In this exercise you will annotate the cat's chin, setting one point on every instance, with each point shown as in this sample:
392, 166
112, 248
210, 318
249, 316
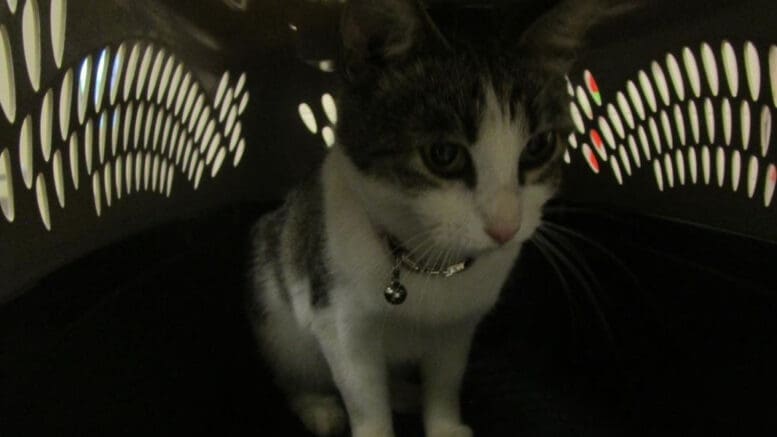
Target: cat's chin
475, 253
485, 249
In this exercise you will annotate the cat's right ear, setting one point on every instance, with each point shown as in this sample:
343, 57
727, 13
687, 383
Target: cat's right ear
377, 33
553, 41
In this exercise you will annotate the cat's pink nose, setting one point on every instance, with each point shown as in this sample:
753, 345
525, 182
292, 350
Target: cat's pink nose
502, 233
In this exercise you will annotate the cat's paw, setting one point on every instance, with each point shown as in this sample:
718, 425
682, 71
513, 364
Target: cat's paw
372, 430
321, 415
449, 430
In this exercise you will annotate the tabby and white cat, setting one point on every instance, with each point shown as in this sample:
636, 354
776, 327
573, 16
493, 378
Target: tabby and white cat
445, 157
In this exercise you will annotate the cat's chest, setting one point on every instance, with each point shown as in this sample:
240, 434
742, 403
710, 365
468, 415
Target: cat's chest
468, 294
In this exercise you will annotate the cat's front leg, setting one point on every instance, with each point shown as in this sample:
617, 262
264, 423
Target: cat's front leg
353, 348
442, 369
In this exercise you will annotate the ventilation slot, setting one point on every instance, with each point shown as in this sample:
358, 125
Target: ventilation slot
736, 169
693, 166
306, 114
25, 152
692, 70
675, 75
659, 174
59, 178
730, 67
100, 78
585, 104
46, 124
590, 158
58, 22
710, 68
65, 104
7, 79
592, 87
771, 179
680, 166
43, 201
32, 42
328, 135
84, 82
752, 176
73, 157
752, 70
6, 187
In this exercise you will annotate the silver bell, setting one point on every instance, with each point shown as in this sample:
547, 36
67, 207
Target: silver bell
395, 293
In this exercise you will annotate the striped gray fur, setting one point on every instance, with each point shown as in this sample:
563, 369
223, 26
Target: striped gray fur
290, 245
268, 234
308, 244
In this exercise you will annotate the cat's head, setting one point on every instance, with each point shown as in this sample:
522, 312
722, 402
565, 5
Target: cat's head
456, 149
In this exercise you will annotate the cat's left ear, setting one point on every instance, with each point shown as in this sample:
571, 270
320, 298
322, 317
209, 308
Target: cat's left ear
377, 33
553, 41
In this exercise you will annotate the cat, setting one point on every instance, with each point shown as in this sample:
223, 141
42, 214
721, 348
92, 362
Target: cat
388, 257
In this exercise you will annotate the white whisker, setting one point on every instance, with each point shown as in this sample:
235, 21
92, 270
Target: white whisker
594, 300
561, 277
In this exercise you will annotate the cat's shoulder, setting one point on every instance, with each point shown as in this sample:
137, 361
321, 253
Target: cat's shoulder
301, 210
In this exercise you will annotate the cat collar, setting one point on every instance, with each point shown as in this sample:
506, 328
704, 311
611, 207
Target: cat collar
396, 293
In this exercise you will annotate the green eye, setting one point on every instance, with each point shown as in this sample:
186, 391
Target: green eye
446, 159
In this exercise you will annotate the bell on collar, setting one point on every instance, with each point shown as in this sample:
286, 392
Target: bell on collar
395, 293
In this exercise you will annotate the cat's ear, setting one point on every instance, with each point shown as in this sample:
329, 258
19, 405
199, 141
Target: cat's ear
553, 41
376, 33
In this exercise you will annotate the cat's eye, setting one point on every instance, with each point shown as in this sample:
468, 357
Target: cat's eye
539, 148
446, 159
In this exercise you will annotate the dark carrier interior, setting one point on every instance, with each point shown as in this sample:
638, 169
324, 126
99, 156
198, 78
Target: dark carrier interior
122, 275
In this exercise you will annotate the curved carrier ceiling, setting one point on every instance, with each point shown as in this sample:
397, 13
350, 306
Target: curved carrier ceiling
117, 116
126, 118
